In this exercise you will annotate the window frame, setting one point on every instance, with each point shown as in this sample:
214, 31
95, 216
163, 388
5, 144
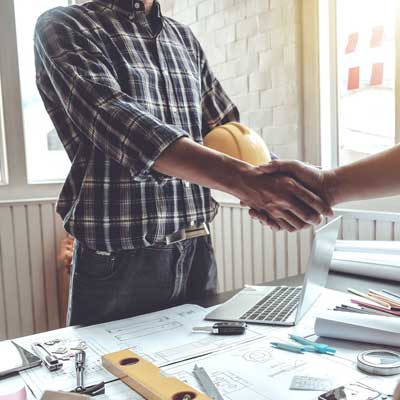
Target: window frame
321, 148
3, 156
12, 140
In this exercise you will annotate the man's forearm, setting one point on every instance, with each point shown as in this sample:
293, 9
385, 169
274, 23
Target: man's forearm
279, 196
371, 177
192, 162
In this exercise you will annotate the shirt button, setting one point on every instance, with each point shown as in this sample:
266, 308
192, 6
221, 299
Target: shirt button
138, 5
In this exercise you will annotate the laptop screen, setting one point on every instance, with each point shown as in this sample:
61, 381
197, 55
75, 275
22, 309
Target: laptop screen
318, 265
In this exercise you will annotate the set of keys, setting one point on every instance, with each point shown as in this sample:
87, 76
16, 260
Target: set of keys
223, 328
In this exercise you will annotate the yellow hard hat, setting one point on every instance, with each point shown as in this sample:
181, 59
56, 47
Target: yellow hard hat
239, 141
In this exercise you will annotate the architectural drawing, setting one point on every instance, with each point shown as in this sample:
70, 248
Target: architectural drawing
255, 370
163, 337
133, 331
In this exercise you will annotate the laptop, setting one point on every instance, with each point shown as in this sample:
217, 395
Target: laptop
284, 305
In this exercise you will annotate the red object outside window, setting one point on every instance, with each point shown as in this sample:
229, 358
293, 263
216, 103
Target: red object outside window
377, 36
352, 43
353, 81
377, 74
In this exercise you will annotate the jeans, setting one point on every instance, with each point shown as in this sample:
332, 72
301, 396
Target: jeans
111, 286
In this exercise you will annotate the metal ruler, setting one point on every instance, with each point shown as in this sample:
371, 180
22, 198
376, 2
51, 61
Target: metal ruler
206, 383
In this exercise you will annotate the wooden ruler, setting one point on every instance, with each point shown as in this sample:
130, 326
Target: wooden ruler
147, 379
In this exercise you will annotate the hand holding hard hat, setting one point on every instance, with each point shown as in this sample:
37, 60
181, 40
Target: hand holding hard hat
239, 141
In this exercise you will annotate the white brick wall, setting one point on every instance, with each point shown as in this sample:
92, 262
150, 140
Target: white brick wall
254, 49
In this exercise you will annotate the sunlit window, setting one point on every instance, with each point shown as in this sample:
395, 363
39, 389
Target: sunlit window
366, 77
45, 157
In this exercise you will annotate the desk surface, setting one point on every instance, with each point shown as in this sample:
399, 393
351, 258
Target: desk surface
107, 340
336, 281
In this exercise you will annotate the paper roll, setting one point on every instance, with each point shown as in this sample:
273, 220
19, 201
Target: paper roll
366, 269
359, 327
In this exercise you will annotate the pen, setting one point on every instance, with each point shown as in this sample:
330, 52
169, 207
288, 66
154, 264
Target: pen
368, 297
312, 346
288, 347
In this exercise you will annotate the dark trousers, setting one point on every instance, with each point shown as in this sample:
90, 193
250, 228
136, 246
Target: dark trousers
111, 286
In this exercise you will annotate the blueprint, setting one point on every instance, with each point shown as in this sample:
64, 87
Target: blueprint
257, 371
162, 337
244, 366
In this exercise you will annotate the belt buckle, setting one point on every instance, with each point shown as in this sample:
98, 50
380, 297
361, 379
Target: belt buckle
190, 233
176, 237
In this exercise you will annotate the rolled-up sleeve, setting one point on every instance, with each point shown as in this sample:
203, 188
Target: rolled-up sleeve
86, 85
217, 107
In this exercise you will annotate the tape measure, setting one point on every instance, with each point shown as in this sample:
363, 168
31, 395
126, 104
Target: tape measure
379, 362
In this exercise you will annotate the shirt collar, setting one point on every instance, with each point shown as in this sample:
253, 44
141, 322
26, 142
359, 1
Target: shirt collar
131, 8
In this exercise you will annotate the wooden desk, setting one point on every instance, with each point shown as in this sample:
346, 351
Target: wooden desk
337, 281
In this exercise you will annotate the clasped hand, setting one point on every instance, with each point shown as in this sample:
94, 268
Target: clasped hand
288, 195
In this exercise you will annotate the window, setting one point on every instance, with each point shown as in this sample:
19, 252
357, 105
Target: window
357, 78
36, 165
366, 78
351, 97
46, 160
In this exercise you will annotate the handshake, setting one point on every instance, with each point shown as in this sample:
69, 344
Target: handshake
288, 195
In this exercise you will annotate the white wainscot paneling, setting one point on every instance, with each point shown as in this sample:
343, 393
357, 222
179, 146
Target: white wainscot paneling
29, 281
32, 284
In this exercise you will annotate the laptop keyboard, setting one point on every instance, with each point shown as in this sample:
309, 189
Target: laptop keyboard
276, 306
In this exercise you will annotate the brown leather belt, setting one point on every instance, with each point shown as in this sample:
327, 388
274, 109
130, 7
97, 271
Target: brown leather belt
188, 233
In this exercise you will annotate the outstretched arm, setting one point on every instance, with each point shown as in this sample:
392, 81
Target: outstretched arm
278, 195
372, 177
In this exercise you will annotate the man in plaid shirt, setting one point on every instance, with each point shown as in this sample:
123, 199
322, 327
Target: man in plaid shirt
132, 96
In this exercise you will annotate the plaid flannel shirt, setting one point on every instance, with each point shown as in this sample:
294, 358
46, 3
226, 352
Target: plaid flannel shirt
120, 87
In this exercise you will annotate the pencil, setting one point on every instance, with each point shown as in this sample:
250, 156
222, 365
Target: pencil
368, 297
